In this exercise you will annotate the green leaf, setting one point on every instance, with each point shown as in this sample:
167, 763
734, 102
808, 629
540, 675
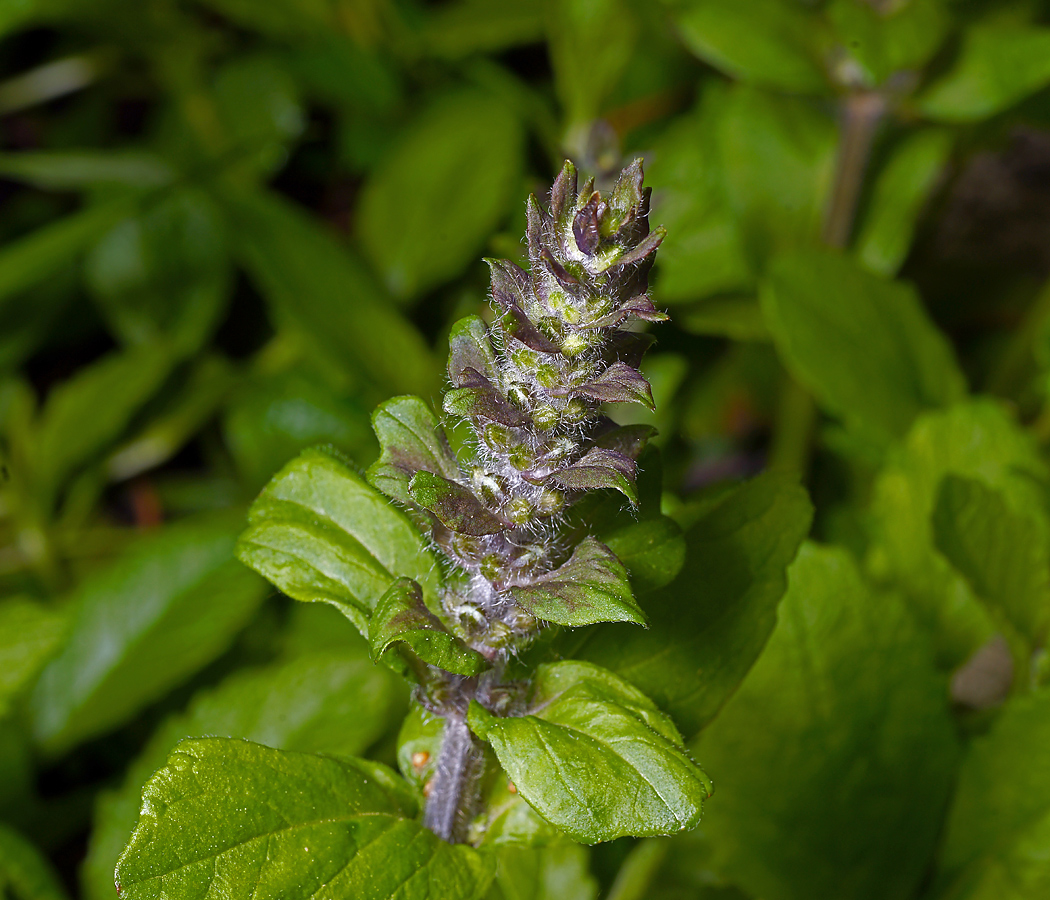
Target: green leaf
328, 701
61, 170
1002, 554
412, 441
590, 43
247, 821
30, 633
557, 872
163, 274
455, 505
24, 872
40, 254
440, 191
320, 533
510, 821
770, 43
257, 101
976, 440
469, 347
317, 286
84, 415
999, 65
882, 41
900, 193
703, 253
652, 551
591, 587
401, 616
836, 756
863, 345
999, 824
778, 155
201, 392
272, 419
458, 30
140, 627
708, 626
595, 757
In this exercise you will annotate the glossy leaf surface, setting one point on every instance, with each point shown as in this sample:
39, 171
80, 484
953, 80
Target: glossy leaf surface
401, 616
720, 609
1002, 554
328, 699
321, 533
592, 586
862, 344
141, 627
251, 821
596, 757
833, 766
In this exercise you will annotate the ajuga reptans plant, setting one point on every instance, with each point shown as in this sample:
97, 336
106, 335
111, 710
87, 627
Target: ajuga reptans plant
463, 571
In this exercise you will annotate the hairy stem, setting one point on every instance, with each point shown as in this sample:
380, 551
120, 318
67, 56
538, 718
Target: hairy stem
451, 788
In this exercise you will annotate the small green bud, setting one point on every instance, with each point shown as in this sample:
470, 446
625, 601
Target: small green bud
575, 410
550, 503
519, 511
547, 375
520, 457
498, 437
491, 567
545, 417
484, 485
573, 345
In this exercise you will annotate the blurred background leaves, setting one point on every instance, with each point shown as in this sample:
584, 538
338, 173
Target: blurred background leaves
230, 228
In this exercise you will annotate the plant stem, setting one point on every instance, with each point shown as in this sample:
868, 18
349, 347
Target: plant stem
861, 114
796, 412
451, 787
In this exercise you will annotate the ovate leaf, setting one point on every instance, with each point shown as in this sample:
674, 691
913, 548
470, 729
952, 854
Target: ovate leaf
977, 440
142, 626
591, 587
411, 440
319, 532
653, 551
163, 273
899, 195
708, 626
862, 344
469, 348
84, 415
1002, 554
998, 66
596, 757
442, 189
590, 43
455, 505
332, 700
599, 469
401, 616
30, 633
249, 821
765, 42
999, 824
836, 756
24, 872
704, 250
319, 287
778, 158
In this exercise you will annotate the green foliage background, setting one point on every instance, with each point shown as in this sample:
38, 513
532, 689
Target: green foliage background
228, 229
